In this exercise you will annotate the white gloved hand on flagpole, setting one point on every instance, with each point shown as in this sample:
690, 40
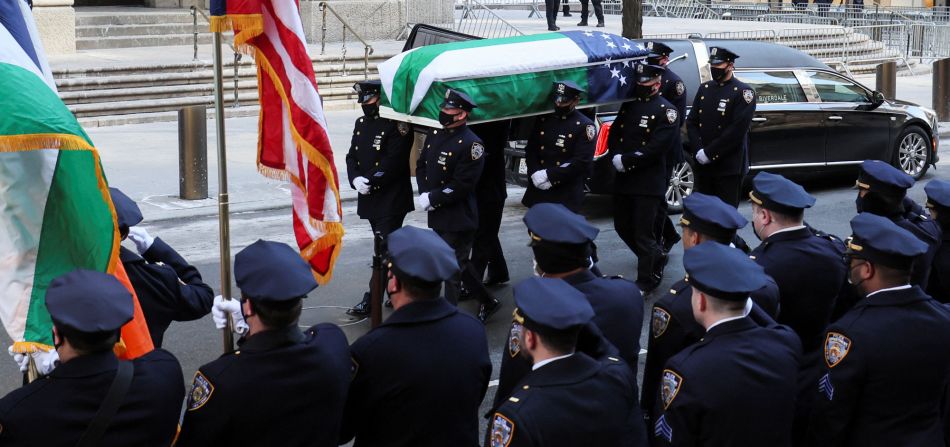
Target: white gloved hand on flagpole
220, 311
142, 240
45, 361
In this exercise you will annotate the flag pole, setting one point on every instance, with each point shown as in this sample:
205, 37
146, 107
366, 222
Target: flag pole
224, 227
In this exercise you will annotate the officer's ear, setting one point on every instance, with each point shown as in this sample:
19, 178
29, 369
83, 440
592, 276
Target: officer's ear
393, 285
529, 339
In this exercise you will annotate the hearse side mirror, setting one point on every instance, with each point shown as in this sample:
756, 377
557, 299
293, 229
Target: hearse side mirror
877, 98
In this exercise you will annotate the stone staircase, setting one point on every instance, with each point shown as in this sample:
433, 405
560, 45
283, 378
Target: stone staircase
127, 27
117, 95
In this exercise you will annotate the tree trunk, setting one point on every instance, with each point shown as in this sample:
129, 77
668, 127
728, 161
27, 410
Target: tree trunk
632, 19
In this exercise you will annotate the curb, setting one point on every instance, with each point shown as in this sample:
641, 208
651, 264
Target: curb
235, 208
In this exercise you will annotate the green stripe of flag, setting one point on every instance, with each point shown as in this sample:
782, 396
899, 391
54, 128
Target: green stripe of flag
33, 108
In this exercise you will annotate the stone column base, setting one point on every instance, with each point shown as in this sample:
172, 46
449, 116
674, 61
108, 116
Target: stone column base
57, 27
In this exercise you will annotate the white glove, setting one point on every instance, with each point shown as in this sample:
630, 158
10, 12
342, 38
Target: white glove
618, 163
702, 158
362, 185
423, 202
45, 361
142, 240
540, 180
220, 311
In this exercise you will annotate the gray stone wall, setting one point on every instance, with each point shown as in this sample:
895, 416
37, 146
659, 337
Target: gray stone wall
56, 23
372, 19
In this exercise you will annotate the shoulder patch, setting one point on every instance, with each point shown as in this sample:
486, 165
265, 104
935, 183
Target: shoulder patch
748, 95
477, 150
403, 128
672, 382
502, 431
671, 115
680, 88
201, 390
591, 132
661, 320
836, 348
514, 339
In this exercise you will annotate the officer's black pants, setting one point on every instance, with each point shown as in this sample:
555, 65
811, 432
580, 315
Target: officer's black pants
663, 229
598, 10
634, 217
551, 7
384, 226
461, 242
725, 187
487, 252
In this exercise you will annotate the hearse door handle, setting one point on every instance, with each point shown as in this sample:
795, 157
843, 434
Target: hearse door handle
835, 118
760, 119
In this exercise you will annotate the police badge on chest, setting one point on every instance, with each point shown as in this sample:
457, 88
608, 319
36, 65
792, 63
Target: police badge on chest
644, 121
377, 142
722, 105
560, 141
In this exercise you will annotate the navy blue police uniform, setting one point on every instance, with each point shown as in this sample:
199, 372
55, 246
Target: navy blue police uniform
167, 286
718, 124
885, 361
674, 90
283, 386
397, 397
617, 303
643, 134
379, 153
736, 386
886, 196
672, 325
57, 409
447, 171
572, 399
561, 145
938, 202
788, 256
490, 194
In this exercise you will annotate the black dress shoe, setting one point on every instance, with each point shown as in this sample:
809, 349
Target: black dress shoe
360, 310
647, 285
600, 24
669, 243
554, 28
486, 310
582, 23
496, 281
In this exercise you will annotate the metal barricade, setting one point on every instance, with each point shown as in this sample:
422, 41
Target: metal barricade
367, 48
475, 18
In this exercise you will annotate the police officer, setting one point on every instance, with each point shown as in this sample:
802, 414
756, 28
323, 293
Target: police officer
421, 375
488, 258
598, 12
550, 13
938, 203
673, 326
886, 363
447, 171
560, 151
718, 128
378, 168
283, 386
568, 398
759, 363
639, 142
91, 397
674, 90
561, 243
168, 287
882, 190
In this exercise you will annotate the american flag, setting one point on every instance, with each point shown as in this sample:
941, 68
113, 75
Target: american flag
293, 144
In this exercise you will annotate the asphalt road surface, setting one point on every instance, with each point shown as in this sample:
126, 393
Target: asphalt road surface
198, 342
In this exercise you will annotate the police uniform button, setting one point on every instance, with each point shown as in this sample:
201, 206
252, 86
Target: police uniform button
450, 154
621, 139
525, 387
542, 146
378, 148
702, 98
563, 150
382, 133
361, 120
700, 124
542, 161
435, 132
621, 126
377, 163
460, 141
357, 132
735, 88
542, 132
570, 135
578, 123
444, 168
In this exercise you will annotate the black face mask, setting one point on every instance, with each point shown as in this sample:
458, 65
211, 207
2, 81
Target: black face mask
643, 91
445, 119
874, 204
718, 74
563, 111
370, 110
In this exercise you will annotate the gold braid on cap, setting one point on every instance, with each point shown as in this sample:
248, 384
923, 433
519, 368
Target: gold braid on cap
516, 316
754, 199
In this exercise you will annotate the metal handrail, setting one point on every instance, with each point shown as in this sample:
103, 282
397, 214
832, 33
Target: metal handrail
367, 48
195, 10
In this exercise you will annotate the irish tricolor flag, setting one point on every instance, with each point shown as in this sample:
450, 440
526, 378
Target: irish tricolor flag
55, 211
508, 77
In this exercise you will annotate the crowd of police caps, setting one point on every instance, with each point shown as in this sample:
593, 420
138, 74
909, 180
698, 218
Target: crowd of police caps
806, 340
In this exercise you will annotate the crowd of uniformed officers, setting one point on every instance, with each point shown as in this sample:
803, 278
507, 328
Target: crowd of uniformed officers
806, 340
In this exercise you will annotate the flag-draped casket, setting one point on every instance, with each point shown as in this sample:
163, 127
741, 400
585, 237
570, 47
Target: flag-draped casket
508, 77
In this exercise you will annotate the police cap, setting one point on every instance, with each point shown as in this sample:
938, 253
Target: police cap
659, 49
938, 194
722, 271
457, 99
421, 254
553, 222
89, 301
779, 194
718, 55
127, 212
711, 216
272, 271
878, 176
879, 240
566, 90
366, 90
550, 305
646, 72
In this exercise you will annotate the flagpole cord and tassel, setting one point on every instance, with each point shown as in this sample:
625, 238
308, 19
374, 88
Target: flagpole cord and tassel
224, 226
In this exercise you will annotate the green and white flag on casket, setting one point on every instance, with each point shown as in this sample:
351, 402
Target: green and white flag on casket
508, 77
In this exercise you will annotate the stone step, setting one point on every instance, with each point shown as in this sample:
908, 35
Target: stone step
102, 43
158, 29
146, 16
